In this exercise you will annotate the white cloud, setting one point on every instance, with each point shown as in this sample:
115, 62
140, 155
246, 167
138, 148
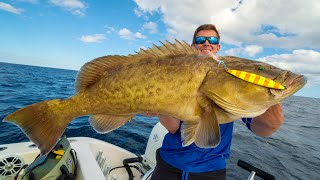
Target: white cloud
76, 7
306, 62
138, 12
251, 26
141, 14
233, 52
291, 24
151, 26
96, 38
148, 6
250, 50
110, 29
127, 34
9, 8
139, 35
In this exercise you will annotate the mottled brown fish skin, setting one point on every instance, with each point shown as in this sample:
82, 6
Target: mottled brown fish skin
165, 86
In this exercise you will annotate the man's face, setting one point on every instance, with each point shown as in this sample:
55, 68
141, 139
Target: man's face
206, 47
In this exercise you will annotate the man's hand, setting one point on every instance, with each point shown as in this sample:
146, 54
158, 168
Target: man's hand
170, 123
268, 122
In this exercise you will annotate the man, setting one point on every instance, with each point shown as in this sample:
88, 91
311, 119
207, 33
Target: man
177, 162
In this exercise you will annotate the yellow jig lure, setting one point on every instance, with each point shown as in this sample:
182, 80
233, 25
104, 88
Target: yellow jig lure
253, 78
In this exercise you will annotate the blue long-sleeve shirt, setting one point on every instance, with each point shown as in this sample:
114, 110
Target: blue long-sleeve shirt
194, 159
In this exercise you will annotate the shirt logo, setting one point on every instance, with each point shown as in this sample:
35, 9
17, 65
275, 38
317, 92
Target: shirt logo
155, 137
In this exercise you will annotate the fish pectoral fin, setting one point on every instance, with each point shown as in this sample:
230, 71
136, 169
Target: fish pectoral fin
207, 134
188, 131
208, 131
106, 123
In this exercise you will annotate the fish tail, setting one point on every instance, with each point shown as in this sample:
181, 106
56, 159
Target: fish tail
43, 122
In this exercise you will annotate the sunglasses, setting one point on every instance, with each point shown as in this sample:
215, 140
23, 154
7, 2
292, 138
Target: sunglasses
202, 39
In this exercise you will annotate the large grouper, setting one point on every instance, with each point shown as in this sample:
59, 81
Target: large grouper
171, 79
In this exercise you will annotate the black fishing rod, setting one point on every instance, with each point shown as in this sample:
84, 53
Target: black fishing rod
254, 171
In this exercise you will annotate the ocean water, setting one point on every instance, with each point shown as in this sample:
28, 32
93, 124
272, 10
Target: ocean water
293, 152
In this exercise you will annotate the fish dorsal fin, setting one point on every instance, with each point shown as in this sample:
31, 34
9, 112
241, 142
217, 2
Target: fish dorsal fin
167, 49
92, 71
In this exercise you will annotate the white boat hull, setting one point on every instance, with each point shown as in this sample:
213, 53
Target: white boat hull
87, 150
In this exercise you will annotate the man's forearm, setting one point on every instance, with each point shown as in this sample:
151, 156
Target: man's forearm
170, 123
268, 122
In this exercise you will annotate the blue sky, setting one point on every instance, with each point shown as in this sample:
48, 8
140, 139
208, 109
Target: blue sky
68, 33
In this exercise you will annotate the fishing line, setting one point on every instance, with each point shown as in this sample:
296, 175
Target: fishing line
316, 100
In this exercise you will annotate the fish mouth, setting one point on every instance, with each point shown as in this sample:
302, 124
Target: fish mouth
291, 87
